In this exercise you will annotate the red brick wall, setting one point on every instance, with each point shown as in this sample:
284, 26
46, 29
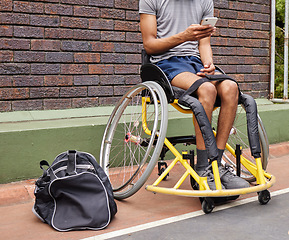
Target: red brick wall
242, 43
59, 54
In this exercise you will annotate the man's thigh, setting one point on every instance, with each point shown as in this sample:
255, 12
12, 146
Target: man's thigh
184, 80
181, 70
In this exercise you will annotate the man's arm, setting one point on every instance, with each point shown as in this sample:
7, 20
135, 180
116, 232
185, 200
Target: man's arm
153, 45
206, 56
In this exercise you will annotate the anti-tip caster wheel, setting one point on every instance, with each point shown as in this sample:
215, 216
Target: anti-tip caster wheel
208, 205
264, 197
162, 166
161, 171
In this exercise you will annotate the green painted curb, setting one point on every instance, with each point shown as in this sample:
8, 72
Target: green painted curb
28, 137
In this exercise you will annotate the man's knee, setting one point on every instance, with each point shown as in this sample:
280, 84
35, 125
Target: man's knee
229, 91
207, 93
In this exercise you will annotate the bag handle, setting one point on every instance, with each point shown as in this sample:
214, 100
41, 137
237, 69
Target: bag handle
71, 162
45, 177
44, 163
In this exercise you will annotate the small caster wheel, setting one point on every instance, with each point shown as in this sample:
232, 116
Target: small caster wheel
162, 166
208, 205
264, 197
161, 171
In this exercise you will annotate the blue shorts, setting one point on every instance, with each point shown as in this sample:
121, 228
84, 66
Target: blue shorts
176, 65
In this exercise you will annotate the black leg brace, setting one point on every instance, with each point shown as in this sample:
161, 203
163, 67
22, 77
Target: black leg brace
252, 124
203, 122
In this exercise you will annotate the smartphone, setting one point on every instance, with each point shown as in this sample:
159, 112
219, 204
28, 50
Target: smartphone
209, 21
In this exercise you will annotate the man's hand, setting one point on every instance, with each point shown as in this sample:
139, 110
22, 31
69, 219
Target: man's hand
209, 69
196, 32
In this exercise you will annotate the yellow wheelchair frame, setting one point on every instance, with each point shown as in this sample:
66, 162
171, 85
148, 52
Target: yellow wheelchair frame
128, 173
263, 179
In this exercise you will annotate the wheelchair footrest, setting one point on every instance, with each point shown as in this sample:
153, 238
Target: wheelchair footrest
212, 193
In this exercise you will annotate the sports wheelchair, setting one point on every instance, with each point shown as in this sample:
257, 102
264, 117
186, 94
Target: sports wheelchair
135, 138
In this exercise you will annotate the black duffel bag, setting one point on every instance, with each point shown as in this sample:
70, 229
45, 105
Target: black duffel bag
74, 193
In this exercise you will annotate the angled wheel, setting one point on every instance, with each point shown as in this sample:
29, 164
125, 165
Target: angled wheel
208, 205
134, 137
238, 135
264, 197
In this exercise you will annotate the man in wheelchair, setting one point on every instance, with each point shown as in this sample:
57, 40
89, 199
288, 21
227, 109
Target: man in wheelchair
180, 46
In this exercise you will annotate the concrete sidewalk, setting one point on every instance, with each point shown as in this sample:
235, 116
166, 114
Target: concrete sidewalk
18, 222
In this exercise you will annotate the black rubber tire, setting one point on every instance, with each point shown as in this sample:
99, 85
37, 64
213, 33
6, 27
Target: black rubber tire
264, 197
208, 205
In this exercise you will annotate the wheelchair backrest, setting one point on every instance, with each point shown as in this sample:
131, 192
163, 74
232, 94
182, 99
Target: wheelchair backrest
151, 72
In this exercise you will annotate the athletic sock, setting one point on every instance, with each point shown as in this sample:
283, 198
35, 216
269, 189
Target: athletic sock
202, 160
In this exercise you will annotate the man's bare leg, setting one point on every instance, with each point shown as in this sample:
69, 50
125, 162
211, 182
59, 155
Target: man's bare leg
184, 80
229, 93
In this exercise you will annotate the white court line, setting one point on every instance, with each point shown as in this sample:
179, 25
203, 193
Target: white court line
178, 218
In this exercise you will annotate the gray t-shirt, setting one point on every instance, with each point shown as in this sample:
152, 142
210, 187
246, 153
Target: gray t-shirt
174, 16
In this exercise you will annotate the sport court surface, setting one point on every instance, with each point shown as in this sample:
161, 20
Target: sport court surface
244, 219
156, 216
